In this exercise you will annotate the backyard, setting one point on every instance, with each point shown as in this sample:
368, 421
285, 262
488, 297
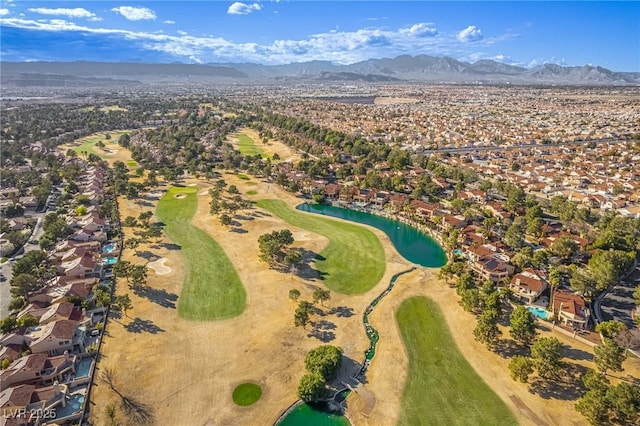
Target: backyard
354, 260
212, 288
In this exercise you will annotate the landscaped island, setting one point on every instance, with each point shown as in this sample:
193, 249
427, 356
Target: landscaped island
354, 260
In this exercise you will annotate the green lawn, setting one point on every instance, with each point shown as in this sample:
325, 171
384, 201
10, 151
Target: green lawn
442, 388
247, 146
354, 260
212, 288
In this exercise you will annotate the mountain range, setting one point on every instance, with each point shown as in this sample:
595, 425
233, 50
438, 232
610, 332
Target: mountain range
421, 68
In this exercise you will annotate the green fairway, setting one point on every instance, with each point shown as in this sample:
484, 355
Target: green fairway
89, 145
247, 146
354, 260
212, 288
442, 388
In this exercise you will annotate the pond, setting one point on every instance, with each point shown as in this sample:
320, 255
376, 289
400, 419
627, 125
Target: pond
413, 244
305, 415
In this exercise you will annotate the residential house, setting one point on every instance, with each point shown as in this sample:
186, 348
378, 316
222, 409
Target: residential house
37, 368
528, 285
570, 309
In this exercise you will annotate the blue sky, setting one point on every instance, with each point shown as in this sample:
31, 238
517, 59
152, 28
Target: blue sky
274, 32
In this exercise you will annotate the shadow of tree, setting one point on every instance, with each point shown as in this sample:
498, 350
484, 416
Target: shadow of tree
322, 330
349, 372
238, 230
139, 325
172, 246
244, 217
136, 410
508, 348
568, 387
159, 296
147, 255
341, 311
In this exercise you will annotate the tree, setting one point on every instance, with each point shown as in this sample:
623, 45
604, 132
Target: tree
582, 282
27, 320
520, 367
5, 363
124, 302
321, 295
564, 247
301, 316
607, 267
312, 388
294, 294
324, 360
132, 243
523, 326
233, 189
470, 300
603, 404
486, 330
611, 329
609, 356
514, 237
144, 218
23, 284
138, 275
272, 245
293, 257
130, 221
122, 269
225, 219
547, 357
540, 259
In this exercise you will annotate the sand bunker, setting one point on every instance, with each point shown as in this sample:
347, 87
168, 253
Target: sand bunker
192, 184
180, 195
203, 192
159, 267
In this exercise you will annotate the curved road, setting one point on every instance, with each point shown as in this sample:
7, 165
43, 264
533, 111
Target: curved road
618, 303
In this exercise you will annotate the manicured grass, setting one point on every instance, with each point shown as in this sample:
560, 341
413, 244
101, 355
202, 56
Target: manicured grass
132, 163
212, 288
246, 394
89, 143
247, 146
354, 260
243, 176
442, 388
252, 192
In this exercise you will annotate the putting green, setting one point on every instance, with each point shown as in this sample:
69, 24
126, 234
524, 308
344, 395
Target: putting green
354, 260
246, 394
442, 388
88, 144
212, 288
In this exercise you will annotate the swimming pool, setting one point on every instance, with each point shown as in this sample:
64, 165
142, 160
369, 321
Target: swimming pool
74, 404
109, 248
110, 260
539, 312
84, 368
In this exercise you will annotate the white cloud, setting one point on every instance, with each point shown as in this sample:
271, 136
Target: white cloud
135, 13
421, 30
170, 22
338, 46
239, 8
471, 33
4, 12
78, 12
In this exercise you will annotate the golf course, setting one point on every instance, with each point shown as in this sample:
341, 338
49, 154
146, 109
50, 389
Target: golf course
247, 145
354, 260
212, 288
442, 388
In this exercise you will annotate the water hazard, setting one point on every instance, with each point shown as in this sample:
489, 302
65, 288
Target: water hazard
413, 244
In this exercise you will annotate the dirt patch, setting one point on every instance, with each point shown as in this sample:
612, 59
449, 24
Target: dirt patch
159, 266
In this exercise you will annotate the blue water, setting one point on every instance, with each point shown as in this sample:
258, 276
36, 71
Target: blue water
539, 312
109, 248
74, 404
84, 368
110, 260
458, 252
414, 245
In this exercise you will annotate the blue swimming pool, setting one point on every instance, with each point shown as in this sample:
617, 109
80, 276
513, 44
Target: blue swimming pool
74, 404
109, 248
84, 368
110, 260
539, 312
